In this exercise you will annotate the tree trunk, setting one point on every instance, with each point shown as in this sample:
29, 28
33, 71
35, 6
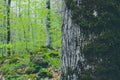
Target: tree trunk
8, 25
48, 34
72, 43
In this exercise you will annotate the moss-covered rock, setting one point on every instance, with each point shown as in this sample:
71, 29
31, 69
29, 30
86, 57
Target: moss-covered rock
39, 61
45, 74
54, 54
31, 70
14, 60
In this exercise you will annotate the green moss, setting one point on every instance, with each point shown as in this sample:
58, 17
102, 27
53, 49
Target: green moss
31, 70
45, 74
26, 65
54, 54
39, 61
32, 76
14, 60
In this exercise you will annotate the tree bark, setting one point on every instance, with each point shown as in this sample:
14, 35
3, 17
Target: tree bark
73, 41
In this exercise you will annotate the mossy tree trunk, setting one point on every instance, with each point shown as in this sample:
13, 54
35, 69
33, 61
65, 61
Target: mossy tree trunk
87, 43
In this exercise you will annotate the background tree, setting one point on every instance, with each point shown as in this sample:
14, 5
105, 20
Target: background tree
48, 33
8, 24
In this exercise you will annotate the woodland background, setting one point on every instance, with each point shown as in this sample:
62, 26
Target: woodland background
30, 38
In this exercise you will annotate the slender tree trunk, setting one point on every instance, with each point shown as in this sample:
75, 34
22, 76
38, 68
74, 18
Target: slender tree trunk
5, 26
29, 26
48, 34
2, 29
72, 44
8, 25
33, 29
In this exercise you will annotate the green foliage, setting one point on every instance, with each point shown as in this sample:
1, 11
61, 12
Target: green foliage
28, 25
106, 17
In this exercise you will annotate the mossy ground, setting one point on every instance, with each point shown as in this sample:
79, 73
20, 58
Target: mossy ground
44, 63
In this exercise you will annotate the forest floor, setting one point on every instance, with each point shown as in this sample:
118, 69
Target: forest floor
44, 63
